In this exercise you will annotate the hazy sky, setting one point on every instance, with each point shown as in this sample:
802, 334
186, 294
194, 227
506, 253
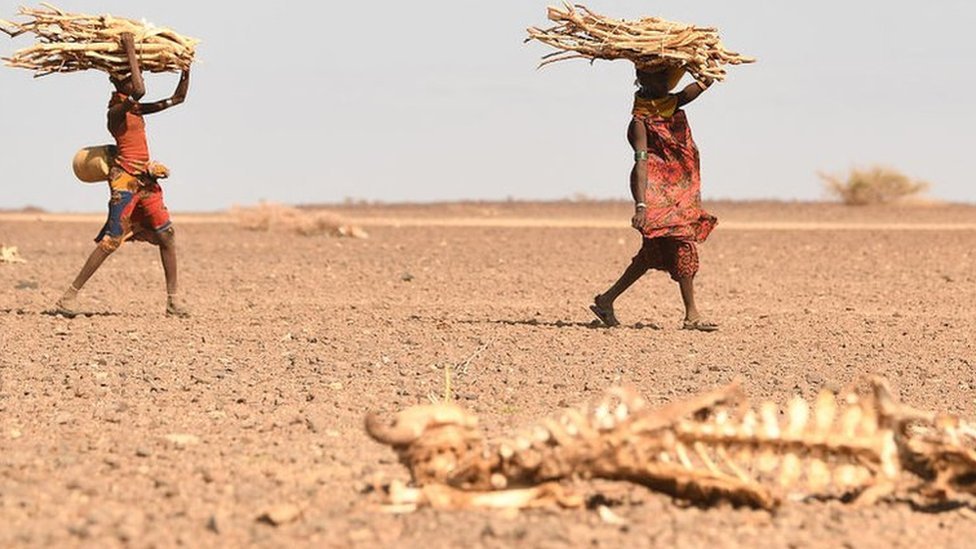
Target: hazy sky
440, 100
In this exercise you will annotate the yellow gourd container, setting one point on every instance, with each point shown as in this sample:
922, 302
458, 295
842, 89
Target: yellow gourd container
92, 164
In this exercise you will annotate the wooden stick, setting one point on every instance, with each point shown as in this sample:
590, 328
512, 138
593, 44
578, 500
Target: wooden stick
648, 42
69, 42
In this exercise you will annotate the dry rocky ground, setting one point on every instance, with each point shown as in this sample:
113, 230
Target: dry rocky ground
130, 428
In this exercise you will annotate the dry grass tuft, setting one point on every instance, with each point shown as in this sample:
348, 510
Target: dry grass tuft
268, 216
876, 185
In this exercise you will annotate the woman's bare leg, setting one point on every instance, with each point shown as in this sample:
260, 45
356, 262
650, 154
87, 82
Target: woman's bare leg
67, 305
693, 318
167, 253
687, 286
603, 303
633, 273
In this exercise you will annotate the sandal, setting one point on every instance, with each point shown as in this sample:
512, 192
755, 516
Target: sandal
64, 311
700, 325
605, 315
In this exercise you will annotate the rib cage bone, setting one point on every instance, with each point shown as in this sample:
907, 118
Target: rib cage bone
70, 42
712, 447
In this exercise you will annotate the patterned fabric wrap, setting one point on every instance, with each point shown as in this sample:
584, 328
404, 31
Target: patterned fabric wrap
673, 194
136, 210
678, 258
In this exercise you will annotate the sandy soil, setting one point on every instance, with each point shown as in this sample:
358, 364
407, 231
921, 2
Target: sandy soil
295, 338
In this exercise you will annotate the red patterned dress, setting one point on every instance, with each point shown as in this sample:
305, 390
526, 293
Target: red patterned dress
136, 210
675, 220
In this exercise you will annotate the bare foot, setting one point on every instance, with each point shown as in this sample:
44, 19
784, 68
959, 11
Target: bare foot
67, 306
604, 311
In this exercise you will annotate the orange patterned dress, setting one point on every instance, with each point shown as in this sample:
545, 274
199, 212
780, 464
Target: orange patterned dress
675, 220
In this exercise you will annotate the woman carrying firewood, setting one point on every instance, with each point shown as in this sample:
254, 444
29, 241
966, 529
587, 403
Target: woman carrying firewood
136, 209
666, 186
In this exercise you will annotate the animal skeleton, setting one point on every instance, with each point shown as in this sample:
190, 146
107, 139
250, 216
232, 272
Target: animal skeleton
712, 447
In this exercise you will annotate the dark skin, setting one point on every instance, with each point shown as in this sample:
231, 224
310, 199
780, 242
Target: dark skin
653, 85
134, 88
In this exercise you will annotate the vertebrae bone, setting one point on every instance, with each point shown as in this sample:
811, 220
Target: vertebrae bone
712, 447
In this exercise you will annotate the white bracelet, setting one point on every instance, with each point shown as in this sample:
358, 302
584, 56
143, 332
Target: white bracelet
640, 205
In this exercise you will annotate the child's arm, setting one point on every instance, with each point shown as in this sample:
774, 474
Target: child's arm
129, 46
179, 96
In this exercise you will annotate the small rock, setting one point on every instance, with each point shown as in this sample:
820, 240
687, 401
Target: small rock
609, 517
143, 452
280, 514
353, 231
182, 440
15, 434
217, 523
336, 386
362, 535
407, 277
815, 379
131, 526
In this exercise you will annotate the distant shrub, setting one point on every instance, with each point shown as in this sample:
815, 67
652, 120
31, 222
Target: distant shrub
267, 216
877, 185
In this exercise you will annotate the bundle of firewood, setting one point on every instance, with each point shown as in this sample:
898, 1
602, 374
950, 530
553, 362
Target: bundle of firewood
649, 42
70, 42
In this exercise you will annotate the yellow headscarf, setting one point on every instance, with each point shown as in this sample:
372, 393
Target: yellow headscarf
655, 108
